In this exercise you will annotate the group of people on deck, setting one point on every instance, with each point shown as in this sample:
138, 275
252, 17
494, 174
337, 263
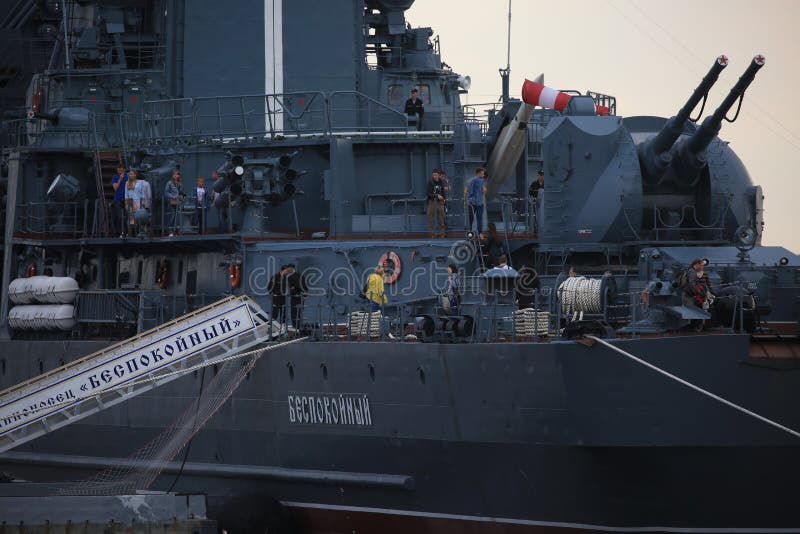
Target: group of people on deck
474, 202
133, 194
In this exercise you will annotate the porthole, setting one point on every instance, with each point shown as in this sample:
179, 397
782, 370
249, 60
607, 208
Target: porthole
324, 367
372, 371
421, 371
290, 366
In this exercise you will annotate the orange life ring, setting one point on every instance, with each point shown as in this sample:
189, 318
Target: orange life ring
31, 270
645, 297
163, 275
235, 274
392, 266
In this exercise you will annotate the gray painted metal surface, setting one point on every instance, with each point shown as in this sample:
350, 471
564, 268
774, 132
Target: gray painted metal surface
135, 513
209, 87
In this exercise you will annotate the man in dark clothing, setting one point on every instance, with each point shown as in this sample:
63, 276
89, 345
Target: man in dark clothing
436, 199
118, 182
533, 191
414, 107
536, 186
696, 292
277, 287
295, 286
446, 185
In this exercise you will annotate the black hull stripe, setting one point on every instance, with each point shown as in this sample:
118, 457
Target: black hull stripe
529, 522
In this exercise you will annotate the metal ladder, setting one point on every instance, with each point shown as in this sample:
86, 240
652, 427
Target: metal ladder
113, 375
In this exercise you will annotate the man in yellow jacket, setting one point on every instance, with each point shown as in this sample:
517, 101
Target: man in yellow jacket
375, 292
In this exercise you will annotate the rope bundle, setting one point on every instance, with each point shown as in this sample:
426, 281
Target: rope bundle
530, 322
365, 324
580, 294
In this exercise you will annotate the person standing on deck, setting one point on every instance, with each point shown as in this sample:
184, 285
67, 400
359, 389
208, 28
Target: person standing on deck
696, 291
133, 201
415, 108
436, 199
473, 198
146, 202
453, 289
533, 192
119, 181
174, 193
446, 185
201, 198
375, 291
277, 288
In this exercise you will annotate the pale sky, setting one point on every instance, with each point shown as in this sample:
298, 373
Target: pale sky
650, 55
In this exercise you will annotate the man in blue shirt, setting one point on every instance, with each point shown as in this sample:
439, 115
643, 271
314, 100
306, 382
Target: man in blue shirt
473, 197
118, 182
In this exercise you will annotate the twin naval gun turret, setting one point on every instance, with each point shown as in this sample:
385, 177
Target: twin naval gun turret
611, 180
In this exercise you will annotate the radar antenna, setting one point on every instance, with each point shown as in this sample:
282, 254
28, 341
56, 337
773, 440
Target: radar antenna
506, 72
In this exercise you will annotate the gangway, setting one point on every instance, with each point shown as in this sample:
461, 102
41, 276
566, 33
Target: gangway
117, 373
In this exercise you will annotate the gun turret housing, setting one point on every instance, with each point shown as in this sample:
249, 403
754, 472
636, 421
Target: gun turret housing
654, 154
691, 157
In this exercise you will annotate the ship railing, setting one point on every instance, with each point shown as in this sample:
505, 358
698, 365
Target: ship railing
536, 128
164, 119
36, 133
239, 118
352, 111
78, 219
119, 307
233, 119
102, 129
160, 308
136, 310
607, 101
188, 217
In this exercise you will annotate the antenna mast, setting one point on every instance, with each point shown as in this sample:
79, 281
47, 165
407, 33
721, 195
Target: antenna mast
505, 73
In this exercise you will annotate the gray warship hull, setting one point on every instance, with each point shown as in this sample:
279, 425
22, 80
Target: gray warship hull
479, 437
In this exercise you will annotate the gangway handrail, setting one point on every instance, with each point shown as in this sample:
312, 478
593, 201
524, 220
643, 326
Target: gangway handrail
108, 377
162, 327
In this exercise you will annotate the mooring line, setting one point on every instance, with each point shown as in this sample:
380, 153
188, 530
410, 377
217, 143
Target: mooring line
696, 388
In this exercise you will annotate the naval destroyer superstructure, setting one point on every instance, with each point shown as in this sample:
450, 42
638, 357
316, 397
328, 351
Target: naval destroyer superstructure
499, 416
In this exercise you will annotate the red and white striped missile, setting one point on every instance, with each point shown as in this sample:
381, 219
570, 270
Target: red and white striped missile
508, 148
538, 94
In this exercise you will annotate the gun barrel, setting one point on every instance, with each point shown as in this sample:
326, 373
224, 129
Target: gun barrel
654, 153
672, 130
711, 125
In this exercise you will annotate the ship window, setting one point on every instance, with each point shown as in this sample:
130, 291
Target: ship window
3, 365
397, 96
424, 93
180, 272
139, 273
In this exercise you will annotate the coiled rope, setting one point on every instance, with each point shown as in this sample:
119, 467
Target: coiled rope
580, 294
